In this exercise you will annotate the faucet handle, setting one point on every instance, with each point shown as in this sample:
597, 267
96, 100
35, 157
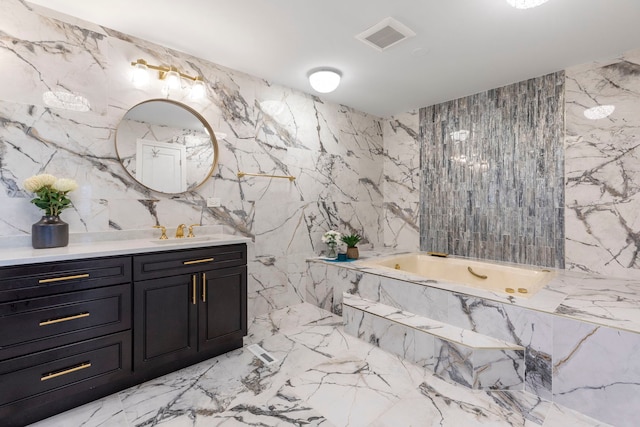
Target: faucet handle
191, 230
164, 231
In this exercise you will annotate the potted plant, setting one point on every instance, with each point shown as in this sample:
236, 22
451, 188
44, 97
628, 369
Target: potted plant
331, 238
51, 196
351, 240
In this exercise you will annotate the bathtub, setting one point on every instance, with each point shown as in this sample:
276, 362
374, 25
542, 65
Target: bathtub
506, 279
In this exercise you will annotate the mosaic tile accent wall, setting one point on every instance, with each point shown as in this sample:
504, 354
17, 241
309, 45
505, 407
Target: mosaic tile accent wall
493, 174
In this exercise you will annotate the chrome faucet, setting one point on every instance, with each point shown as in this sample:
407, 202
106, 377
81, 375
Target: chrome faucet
180, 231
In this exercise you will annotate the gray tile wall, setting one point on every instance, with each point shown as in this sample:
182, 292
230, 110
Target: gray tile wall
496, 192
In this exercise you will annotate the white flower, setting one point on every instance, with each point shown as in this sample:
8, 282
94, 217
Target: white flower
65, 185
36, 182
331, 237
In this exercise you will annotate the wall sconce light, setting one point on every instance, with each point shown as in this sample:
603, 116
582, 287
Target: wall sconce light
170, 75
324, 80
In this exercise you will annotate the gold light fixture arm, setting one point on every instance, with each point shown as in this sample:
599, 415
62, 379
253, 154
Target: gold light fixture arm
289, 177
162, 70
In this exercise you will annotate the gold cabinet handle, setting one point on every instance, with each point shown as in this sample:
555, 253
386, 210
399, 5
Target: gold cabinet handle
197, 261
204, 287
55, 374
63, 319
59, 279
195, 290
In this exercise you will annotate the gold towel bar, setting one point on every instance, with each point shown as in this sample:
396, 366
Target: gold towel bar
289, 177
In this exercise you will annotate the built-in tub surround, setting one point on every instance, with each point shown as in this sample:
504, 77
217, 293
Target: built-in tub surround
510, 279
334, 151
579, 332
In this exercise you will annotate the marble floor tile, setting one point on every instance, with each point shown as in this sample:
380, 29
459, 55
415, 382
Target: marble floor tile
107, 412
323, 377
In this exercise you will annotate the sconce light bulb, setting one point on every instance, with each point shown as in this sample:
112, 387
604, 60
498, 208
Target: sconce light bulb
140, 75
172, 79
198, 89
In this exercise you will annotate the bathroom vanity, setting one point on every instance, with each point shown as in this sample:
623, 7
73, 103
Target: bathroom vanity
82, 322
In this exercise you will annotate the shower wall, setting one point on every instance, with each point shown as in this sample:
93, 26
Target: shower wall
493, 174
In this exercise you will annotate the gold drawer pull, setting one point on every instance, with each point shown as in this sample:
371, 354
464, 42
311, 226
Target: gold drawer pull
55, 374
193, 295
59, 279
197, 261
64, 319
204, 287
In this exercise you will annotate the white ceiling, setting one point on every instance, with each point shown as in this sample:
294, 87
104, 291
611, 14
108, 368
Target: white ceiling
461, 47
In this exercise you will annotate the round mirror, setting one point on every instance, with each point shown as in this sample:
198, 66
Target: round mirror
166, 146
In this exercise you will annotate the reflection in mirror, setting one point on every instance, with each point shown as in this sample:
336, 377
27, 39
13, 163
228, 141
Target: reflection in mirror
166, 146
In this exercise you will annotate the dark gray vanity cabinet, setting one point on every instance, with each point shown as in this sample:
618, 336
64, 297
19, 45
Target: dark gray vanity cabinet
75, 331
65, 335
190, 305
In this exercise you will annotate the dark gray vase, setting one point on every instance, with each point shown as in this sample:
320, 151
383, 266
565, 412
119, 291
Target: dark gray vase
49, 232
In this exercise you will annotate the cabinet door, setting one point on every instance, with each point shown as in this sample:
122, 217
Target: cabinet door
164, 321
223, 309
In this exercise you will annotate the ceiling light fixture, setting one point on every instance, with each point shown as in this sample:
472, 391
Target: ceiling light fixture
171, 76
324, 80
599, 112
526, 4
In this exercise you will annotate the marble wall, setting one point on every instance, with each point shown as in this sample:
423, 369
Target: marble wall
492, 174
336, 153
603, 168
401, 168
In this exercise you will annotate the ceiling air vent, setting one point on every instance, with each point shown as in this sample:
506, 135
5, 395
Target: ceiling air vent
385, 34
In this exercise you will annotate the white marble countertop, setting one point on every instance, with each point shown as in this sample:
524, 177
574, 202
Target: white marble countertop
606, 301
17, 250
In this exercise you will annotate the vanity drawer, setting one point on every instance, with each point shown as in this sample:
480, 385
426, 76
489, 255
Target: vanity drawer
153, 266
83, 365
39, 323
34, 280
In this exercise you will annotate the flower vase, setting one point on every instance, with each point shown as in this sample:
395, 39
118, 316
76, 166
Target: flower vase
332, 251
49, 232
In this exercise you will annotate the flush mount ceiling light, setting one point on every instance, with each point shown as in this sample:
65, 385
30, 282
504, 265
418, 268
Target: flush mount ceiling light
170, 75
324, 80
599, 112
526, 4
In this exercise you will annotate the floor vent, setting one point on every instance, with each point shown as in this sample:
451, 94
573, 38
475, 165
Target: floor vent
385, 34
262, 354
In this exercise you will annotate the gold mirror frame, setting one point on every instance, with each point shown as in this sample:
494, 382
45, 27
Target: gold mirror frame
198, 116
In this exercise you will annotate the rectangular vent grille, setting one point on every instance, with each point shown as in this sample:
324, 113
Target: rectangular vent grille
385, 37
385, 34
